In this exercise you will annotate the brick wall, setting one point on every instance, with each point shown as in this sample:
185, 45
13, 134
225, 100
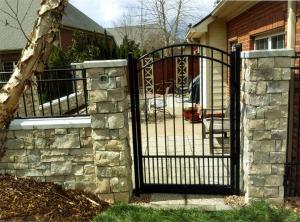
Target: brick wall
66, 39
256, 21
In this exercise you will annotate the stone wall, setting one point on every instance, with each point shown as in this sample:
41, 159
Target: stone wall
265, 98
90, 153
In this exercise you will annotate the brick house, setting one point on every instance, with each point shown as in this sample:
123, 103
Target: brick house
258, 25
12, 40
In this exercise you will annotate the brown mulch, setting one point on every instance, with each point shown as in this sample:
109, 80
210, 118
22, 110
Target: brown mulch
28, 200
293, 204
234, 200
143, 199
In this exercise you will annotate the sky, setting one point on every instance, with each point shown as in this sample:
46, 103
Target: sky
108, 12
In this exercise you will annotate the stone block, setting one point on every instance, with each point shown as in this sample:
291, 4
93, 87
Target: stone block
274, 180
98, 121
256, 192
116, 121
99, 145
250, 87
100, 134
119, 184
107, 107
270, 192
259, 100
278, 169
122, 197
257, 180
67, 141
87, 186
81, 151
261, 135
259, 169
34, 156
266, 62
89, 169
256, 124
279, 134
61, 168
282, 62
115, 95
29, 173
115, 145
98, 96
107, 158
83, 158
15, 144
77, 170
107, 197
277, 157
278, 86
103, 186
286, 74
104, 172
261, 87
49, 159
120, 171
276, 99
60, 131
261, 157
272, 124
262, 73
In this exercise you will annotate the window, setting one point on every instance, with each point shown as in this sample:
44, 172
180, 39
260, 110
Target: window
261, 44
275, 41
8, 66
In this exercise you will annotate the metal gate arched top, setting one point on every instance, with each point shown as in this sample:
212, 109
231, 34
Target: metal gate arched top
186, 119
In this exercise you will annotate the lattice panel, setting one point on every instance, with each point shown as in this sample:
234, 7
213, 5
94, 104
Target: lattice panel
182, 71
148, 79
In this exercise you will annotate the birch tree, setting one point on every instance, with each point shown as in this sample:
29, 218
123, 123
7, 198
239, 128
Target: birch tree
33, 57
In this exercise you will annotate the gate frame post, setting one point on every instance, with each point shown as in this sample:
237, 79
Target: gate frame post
235, 113
136, 123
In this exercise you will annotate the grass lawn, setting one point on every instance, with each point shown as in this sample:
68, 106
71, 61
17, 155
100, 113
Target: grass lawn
257, 212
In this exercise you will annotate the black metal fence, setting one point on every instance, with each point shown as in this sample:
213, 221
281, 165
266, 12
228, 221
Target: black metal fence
292, 169
56, 93
179, 144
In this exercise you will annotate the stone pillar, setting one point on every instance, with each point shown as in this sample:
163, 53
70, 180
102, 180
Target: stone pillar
108, 106
265, 98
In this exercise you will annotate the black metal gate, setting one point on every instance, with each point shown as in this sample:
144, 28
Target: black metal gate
185, 110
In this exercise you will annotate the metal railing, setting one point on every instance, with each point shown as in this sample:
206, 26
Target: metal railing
55, 93
292, 166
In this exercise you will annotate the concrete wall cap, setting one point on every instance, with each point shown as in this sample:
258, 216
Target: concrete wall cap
105, 63
268, 53
51, 123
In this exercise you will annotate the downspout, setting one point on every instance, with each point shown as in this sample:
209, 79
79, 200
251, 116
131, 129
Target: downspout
291, 42
291, 24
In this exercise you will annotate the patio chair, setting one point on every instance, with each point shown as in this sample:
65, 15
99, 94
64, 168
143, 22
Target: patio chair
159, 103
218, 129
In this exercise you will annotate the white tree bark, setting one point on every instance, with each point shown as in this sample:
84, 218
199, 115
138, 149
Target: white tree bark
33, 58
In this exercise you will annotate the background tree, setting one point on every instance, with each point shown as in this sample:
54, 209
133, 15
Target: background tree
33, 58
127, 46
91, 47
57, 59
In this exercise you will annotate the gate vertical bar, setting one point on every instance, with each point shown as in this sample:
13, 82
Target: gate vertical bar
133, 86
235, 76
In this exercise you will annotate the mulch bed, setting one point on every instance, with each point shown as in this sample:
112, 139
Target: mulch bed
28, 200
293, 203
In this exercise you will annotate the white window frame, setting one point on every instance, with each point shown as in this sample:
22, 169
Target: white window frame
269, 36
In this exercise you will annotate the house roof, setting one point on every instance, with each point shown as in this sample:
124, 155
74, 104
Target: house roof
225, 10
13, 39
133, 32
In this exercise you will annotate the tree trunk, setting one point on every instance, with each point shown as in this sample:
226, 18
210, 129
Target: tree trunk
33, 58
